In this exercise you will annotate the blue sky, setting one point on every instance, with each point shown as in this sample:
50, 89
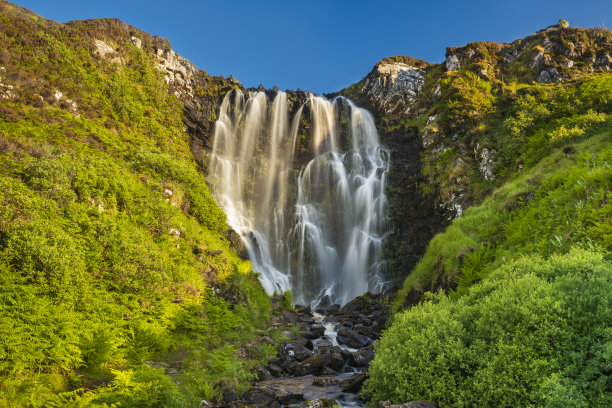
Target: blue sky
323, 46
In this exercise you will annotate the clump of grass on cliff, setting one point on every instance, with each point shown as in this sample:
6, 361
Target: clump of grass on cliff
117, 284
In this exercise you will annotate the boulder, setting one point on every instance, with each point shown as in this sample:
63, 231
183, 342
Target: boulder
258, 396
353, 384
303, 310
312, 365
319, 403
324, 303
289, 316
275, 370
305, 342
352, 338
314, 332
263, 374
301, 353
328, 371
289, 398
324, 343
333, 309
335, 358
325, 380
362, 357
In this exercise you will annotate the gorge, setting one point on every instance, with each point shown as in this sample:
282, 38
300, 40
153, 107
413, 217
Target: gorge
170, 238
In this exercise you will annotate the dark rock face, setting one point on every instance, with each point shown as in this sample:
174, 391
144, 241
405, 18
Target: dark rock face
362, 357
415, 215
236, 243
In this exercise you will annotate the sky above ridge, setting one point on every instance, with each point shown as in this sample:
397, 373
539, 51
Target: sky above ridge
323, 46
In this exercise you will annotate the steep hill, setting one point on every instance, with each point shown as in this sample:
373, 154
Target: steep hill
459, 129
120, 281
509, 145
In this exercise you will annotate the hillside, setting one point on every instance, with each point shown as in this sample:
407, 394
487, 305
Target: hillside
459, 129
509, 305
119, 279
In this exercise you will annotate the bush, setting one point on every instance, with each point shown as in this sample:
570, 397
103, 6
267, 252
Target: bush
534, 333
46, 256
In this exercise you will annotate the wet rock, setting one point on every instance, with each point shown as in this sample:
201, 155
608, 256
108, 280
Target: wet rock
346, 355
333, 309
347, 323
263, 374
328, 371
236, 243
353, 384
312, 365
324, 304
305, 342
319, 403
275, 370
323, 381
336, 361
362, 357
289, 366
289, 316
258, 396
411, 404
362, 329
289, 398
352, 338
324, 343
307, 319
302, 309
301, 353
314, 332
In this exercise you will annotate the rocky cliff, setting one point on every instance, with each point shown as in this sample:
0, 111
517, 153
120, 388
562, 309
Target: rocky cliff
441, 121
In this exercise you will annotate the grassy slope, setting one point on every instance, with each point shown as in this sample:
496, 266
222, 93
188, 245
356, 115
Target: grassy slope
101, 267
528, 320
536, 131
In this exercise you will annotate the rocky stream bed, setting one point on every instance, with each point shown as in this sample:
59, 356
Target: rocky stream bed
325, 365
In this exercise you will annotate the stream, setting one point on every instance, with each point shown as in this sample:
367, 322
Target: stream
326, 363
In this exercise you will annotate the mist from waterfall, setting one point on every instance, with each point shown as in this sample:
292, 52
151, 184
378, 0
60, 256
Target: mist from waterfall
316, 229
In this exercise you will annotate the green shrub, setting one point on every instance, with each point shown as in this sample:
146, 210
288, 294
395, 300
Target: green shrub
46, 256
534, 333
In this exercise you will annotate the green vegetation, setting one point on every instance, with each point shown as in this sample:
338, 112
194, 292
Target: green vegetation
568, 173
524, 318
535, 333
117, 284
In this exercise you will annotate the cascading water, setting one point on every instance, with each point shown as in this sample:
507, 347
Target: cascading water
316, 230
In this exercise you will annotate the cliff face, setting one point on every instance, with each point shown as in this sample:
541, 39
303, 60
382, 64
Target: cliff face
442, 122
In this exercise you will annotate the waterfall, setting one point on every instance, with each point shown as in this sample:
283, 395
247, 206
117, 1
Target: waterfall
315, 229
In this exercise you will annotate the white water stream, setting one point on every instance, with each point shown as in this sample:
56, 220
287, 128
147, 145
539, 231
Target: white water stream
315, 229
